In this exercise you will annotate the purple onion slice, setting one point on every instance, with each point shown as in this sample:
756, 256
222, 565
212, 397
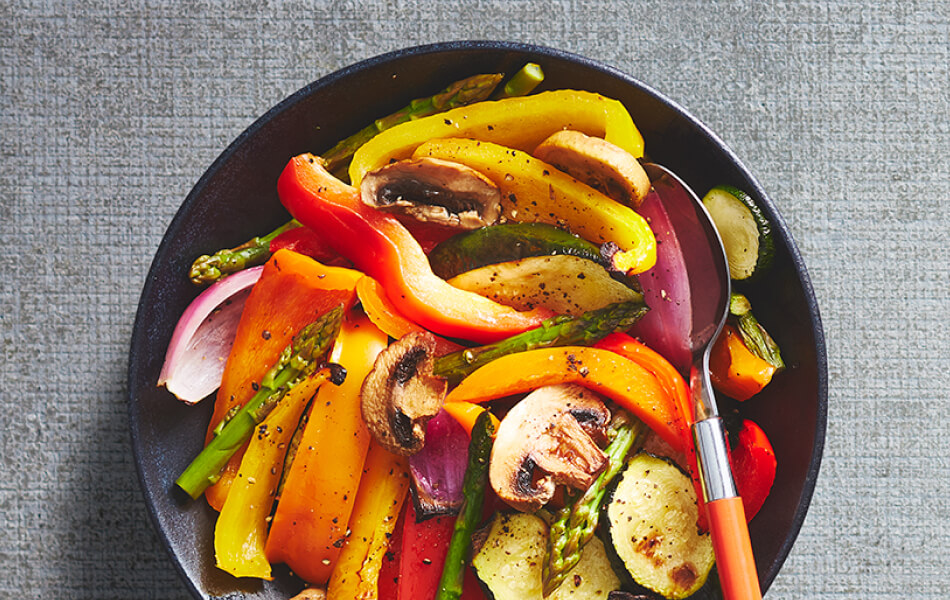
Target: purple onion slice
202, 340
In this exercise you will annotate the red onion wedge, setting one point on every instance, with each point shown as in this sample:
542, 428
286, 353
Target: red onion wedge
202, 340
666, 327
438, 469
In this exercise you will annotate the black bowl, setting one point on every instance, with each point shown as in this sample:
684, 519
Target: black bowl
241, 184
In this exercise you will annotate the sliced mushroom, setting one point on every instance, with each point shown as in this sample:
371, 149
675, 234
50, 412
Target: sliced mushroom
435, 191
605, 167
401, 394
544, 441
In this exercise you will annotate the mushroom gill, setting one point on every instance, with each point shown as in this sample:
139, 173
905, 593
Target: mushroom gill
545, 440
435, 191
400, 395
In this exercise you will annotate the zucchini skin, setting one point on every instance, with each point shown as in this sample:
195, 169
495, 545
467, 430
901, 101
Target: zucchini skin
705, 587
503, 243
766, 244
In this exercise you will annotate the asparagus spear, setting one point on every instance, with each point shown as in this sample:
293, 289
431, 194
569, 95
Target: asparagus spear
299, 360
466, 91
564, 330
473, 492
256, 251
573, 525
521, 83
754, 336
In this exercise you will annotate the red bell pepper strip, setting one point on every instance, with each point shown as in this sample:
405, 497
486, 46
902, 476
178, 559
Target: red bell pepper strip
427, 534
380, 246
429, 235
388, 586
754, 465
422, 557
304, 241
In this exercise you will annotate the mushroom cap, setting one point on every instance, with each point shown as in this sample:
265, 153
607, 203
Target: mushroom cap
606, 167
400, 395
434, 191
546, 440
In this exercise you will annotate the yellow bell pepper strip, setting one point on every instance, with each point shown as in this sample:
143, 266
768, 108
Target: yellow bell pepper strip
521, 123
292, 291
734, 369
381, 247
620, 379
241, 528
379, 501
533, 190
321, 487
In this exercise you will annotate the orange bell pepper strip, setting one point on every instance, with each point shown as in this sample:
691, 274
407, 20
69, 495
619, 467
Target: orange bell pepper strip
665, 373
465, 413
379, 501
321, 487
293, 290
381, 247
620, 379
753, 460
734, 369
381, 311
241, 528
384, 314
675, 386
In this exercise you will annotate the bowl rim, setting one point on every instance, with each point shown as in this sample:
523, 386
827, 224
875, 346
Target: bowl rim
780, 227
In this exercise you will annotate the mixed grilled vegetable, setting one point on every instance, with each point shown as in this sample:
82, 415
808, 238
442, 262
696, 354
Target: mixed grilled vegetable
438, 379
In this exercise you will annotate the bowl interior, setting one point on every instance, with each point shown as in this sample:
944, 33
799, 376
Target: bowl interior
236, 199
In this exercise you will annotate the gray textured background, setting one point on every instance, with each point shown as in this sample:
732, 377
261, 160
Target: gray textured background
110, 113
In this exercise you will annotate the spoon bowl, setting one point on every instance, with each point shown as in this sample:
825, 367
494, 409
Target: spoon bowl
709, 289
704, 256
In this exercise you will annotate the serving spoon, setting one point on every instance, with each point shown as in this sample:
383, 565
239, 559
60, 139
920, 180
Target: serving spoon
707, 273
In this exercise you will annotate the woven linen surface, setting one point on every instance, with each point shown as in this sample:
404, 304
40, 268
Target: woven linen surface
110, 113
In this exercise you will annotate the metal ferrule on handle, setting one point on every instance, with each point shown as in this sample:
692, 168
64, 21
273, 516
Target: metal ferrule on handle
730, 534
713, 459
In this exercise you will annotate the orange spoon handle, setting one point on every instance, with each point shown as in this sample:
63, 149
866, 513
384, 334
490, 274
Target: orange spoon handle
730, 538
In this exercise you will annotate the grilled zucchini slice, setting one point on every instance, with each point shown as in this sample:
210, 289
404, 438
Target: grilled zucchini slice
745, 232
509, 553
566, 284
650, 519
508, 556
